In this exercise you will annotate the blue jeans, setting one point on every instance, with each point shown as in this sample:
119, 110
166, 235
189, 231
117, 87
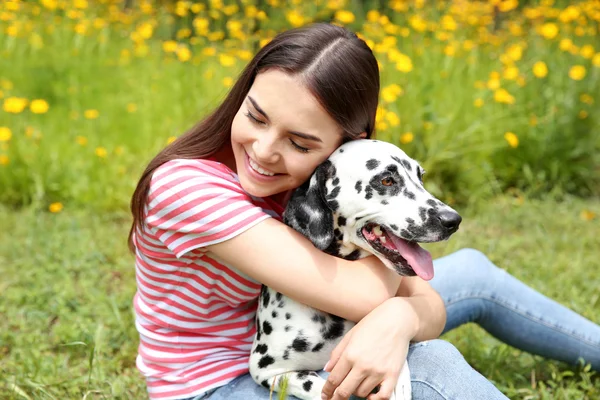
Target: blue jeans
475, 290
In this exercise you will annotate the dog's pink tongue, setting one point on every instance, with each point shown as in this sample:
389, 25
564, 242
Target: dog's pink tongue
416, 256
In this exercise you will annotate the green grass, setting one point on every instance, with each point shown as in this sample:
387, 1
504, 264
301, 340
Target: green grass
67, 283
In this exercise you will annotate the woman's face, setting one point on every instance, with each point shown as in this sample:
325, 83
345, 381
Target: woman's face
280, 135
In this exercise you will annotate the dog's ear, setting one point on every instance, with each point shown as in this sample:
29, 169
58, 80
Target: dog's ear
307, 211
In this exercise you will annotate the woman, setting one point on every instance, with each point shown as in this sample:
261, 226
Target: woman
207, 233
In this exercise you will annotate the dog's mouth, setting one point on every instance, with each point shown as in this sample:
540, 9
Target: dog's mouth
407, 257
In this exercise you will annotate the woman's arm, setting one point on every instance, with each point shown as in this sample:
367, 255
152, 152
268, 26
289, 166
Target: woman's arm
428, 316
274, 254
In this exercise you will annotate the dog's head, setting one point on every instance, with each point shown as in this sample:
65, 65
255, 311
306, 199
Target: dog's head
368, 198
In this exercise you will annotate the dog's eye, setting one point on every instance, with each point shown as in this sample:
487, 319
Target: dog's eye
387, 181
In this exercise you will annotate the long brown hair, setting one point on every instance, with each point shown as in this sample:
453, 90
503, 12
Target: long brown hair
336, 66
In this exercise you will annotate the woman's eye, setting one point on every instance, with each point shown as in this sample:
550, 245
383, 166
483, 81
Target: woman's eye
254, 119
298, 147
387, 181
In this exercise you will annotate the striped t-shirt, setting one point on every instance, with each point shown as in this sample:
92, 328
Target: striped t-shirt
194, 313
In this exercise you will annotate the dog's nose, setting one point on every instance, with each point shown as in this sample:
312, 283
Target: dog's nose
450, 220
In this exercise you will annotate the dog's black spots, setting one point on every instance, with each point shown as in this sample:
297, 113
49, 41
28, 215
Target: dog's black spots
300, 344
258, 330
281, 304
267, 328
287, 328
384, 202
432, 203
422, 213
334, 193
410, 221
278, 296
288, 315
318, 347
391, 172
394, 227
406, 165
333, 204
335, 181
372, 164
320, 318
302, 219
265, 384
409, 195
307, 386
266, 297
286, 355
265, 361
368, 192
274, 314
341, 150
358, 186
338, 234
341, 221
335, 330
353, 256
261, 348
302, 374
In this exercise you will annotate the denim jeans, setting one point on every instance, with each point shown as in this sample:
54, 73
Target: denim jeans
475, 290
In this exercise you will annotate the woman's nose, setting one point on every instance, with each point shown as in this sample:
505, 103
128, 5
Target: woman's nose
265, 150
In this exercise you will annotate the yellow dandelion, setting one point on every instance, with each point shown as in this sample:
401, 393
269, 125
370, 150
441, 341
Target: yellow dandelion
131, 108
183, 53
502, 96
294, 18
170, 46
493, 84
577, 72
582, 114
209, 51
39, 106
512, 139
228, 81
596, 60
587, 51
81, 140
14, 105
540, 69
392, 118
344, 16
549, 30
510, 73
407, 137
587, 215
226, 60
91, 114
478, 103
4, 160
5, 134
171, 139
55, 207
403, 63
390, 93
101, 152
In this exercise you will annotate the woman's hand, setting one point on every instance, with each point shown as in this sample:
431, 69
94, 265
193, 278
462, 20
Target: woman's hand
372, 353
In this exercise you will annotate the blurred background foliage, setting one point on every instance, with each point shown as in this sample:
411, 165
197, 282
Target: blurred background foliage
495, 96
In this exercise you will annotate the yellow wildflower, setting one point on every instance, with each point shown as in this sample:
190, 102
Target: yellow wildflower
344, 16
101, 152
39, 106
14, 105
390, 93
4, 159
577, 72
131, 107
228, 81
587, 215
406, 137
596, 60
5, 134
540, 70
404, 63
91, 114
392, 118
582, 114
587, 51
183, 53
295, 18
171, 139
510, 73
81, 140
55, 207
512, 139
478, 103
169, 46
502, 96
549, 30
226, 60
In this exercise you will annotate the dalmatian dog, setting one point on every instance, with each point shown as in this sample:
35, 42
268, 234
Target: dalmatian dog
366, 199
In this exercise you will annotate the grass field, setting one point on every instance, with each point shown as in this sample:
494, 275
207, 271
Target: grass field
67, 283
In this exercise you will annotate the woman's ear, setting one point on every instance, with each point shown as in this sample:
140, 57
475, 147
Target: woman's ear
307, 211
362, 135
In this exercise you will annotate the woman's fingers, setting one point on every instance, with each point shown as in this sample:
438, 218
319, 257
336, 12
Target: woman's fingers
349, 385
386, 389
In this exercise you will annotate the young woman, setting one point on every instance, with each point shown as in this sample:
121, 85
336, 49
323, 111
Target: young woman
207, 233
